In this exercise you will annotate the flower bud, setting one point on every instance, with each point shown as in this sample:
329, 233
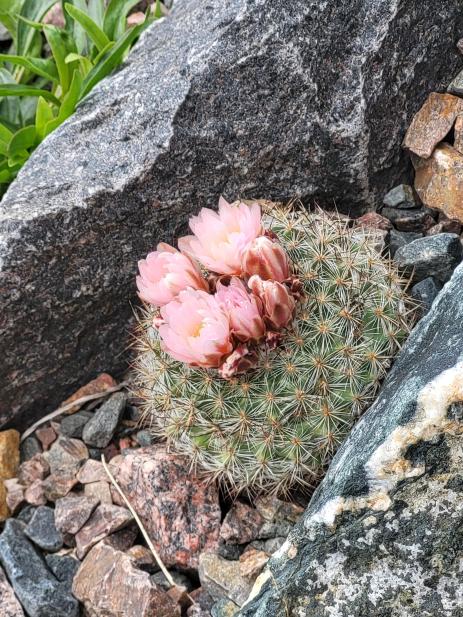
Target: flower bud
279, 306
267, 259
243, 310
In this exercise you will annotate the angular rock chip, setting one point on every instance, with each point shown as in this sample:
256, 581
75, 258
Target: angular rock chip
252, 562
9, 604
34, 494
14, 494
181, 512
432, 123
39, 592
401, 196
435, 256
42, 530
9, 454
419, 220
100, 429
241, 524
375, 529
102, 491
66, 455
105, 520
92, 471
37, 468
29, 448
46, 435
73, 511
458, 134
374, 220
64, 567
58, 485
72, 426
439, 181
426, 292
222, 578
108, 583
456, 85
308, 97
401, 238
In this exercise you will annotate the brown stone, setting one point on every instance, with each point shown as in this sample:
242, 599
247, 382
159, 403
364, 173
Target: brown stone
4, 510
101, 491
439, 181
36, 468
67, 455
105, 520
181, 512
108, 583
9, 454
432, 123
92, 471
102, 383
252, 562
374, 220
46, 435
123, 539
73, 511
14, 494
58, 485
222, 578
458, 134
241, 524
143, 558
34, 494
451, 227
9, 604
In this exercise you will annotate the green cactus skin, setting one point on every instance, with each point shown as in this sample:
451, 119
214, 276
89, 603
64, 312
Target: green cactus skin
277, 427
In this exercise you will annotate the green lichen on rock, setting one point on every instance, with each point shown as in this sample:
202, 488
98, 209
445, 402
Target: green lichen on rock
278, 425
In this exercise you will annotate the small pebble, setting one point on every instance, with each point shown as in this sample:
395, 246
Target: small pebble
42, 530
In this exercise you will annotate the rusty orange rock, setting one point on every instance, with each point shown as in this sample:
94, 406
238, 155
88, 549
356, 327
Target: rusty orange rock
102, 383
432, 123
458, 134
439, 181
9, 462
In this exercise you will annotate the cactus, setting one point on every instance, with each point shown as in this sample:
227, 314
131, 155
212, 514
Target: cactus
277, 426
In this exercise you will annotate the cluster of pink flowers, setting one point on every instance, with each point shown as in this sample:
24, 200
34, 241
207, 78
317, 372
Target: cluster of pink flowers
245, 301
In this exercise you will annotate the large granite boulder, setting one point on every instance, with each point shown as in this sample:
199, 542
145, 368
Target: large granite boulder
382, 533
262, 98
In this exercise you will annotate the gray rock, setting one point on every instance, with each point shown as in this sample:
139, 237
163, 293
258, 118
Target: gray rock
245, 97
401, 238
144, 438
72, 426
426, 292
401, 196
269, 546
39, 592
435, 256
29, 448
100, 429
224, 608
456, 85
63, 567
42, 530
374, 540
418, 220
26, 514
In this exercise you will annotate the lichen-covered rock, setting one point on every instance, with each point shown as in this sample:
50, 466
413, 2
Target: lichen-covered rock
379, 536
246, 97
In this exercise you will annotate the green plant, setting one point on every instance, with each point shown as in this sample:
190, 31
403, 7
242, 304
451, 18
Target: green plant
278, 425
49, 69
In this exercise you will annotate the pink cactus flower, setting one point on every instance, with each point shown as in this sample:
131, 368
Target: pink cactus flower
279, 305
165, 273
196, 329
220, 238
243, 309
266, 258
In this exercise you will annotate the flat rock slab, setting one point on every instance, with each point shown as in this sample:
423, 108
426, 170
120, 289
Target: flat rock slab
40, 593
379, 536
257, 98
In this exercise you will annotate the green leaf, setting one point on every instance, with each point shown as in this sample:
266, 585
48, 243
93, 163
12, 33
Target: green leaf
9, 10
112, 59
96, 11
61, 45
94, 32
22, 140
85, 64
79, 34
43, 116
115, 20
39, 66
158, 10
5, 134
33, 10
20, 90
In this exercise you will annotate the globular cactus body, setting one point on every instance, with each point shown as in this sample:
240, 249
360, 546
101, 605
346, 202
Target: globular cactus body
277, 426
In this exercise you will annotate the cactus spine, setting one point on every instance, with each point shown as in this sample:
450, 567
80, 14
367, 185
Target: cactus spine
277, 426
